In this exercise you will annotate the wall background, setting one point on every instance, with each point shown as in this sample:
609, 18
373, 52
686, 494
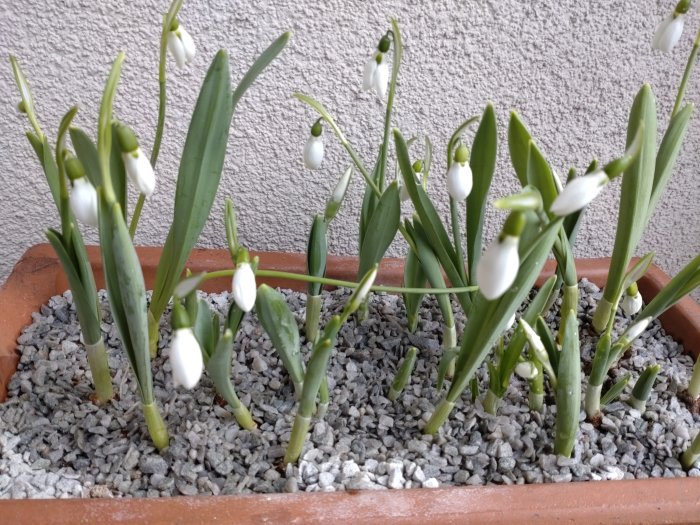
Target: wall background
570, 68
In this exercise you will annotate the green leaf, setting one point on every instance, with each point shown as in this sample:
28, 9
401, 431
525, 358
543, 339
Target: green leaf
568, 387
202, 327
219, 369
519, 147
483, 164
638, 270
280, 324
668, 154
118, 172
317, 252
445, 359
189, 285
381, 229
637, 185
548, 340
126, 292
43, 151
198, 178
614, 391
540, 175
678, 287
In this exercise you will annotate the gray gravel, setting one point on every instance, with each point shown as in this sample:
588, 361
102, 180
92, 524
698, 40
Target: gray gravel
55, 443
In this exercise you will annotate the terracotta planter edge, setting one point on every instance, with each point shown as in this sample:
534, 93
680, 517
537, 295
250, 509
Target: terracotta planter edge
37, 276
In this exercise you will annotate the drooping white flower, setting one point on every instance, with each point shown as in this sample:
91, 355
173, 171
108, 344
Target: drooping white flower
83, 201
313, 153
631, 304
498, 267
376, 75
526, 370
579, 193
186, 358
669, 32
459, 181
403, 193
140, 171
181, 46
243, 287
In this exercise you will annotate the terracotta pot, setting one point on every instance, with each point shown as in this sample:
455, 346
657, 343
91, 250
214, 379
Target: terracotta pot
38, 276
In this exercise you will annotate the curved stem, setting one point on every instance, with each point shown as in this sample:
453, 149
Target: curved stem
395, 66
136, 215
339, 283
686, 74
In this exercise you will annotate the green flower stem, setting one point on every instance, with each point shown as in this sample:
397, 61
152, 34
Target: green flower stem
340, 283
535, 397
692, 454
136, 215
99, 368
592, 400
299, 431
243, 417
156, 425
568, 393
457, 237
570, 298
603, 313
323, 398
686, 74
599, 371
395, 66
403, 374
440, 415
313, 316
694, 385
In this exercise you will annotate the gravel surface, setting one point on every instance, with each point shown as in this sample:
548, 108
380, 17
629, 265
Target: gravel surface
54, 442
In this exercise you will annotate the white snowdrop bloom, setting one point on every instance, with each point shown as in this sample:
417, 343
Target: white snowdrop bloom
526, 370
181, 46
459, 181
83, 201
140, 171
376, 75
498, 267
669, 32
511, 322
243, 287
186, 358
631, 304
579, 193
313, 153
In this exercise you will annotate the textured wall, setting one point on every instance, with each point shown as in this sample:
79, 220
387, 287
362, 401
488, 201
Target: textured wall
570, 68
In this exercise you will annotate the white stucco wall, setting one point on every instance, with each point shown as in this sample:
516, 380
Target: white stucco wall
570, 68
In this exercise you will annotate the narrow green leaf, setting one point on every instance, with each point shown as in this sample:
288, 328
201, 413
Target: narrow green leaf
483, 164
189, 285
86, 151
637, 185
317, 252
614, 391
118, 172
547, 339
381, 229
280, 324
202, 327
540, 175
445, 359
568, 387
638, 270
519, 147
678, 287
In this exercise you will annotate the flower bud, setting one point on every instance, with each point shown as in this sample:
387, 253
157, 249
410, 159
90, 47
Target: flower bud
384, 44
186, 359
459, 181
180, 44
83, 202
338, 195
243, 287
579, 193
498, 267
635, 330
376, 75
313, 152
632, 300
526, 370
137, 166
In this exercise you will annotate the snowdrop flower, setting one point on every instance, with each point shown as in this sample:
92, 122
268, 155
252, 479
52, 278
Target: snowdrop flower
498, 266
579, 193
632, 301
180, 44
341, 188
670, 30
526, 370
186, 358
138, 167
376, 73
83, 197
459, 176
83, 202
313, 149
243, 287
